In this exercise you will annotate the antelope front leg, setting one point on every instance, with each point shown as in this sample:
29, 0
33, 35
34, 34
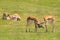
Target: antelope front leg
53, 27
46, 28
35, 27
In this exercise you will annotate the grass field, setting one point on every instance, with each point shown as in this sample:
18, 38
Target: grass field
14, 30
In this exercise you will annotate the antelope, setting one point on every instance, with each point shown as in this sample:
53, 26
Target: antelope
14, 17
36, 23
11, 17
50, 19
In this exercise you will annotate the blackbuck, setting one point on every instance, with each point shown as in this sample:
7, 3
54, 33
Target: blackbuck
51, 20
14, 17
36, 23
11, 17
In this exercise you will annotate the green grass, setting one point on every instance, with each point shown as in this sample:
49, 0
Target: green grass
14, 30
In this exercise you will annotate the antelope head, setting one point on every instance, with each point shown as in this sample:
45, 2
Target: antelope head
41, 25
